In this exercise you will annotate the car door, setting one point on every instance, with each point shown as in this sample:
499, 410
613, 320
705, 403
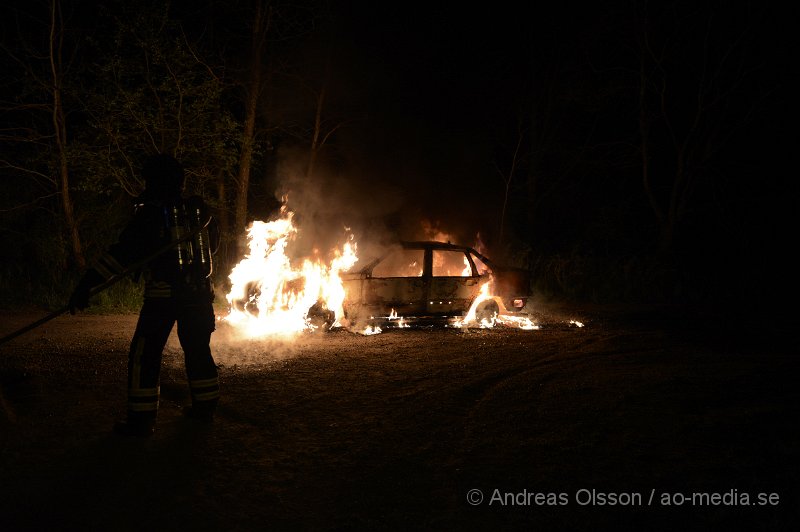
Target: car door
397, 283
453, 284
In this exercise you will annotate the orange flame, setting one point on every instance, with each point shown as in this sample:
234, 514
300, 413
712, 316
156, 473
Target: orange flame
271, 296
470, 318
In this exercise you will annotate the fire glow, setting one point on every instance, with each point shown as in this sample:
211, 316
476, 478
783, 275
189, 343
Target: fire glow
471, 320
271, 296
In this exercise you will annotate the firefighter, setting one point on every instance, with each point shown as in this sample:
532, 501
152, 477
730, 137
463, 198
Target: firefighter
177, 289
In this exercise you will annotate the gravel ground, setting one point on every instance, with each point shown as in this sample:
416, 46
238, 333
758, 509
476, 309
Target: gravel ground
565, 427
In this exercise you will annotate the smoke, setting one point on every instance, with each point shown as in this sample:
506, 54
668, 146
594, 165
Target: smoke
331, 206
376, 202
231, 348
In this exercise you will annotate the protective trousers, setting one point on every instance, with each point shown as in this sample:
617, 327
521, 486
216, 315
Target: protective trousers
195, 319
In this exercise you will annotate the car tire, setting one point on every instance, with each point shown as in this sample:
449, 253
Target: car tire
487, 310
321, 317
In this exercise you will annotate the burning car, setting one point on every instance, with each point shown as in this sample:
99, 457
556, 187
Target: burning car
272, 294
429, 281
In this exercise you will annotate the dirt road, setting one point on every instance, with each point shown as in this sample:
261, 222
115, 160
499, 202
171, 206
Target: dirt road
641, 419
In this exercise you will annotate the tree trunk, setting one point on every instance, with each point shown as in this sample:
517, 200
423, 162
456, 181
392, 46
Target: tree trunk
259, 33
60, 128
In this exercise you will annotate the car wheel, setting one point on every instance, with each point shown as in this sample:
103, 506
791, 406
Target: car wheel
249, 303
321, 317
487, 311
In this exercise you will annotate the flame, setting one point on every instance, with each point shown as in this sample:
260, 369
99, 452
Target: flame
431, 231
470, 318
271, 296
371, 329
401, 322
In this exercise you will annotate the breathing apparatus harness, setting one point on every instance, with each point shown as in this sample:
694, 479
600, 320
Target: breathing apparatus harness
189, 264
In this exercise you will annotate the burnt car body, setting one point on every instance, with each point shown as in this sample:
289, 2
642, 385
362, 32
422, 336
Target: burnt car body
428, 281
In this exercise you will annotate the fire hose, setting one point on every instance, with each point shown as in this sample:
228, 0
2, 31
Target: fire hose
109, 282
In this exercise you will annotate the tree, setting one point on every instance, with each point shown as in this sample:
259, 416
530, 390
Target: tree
154, 93
133, 85
45, 156
548, 143
262, 21
692, 100
56, 45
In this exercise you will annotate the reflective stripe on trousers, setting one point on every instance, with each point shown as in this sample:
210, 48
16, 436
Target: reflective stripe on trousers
204, 389
195, 324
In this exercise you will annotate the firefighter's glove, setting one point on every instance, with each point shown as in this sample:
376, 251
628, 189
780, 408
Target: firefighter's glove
79, 300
